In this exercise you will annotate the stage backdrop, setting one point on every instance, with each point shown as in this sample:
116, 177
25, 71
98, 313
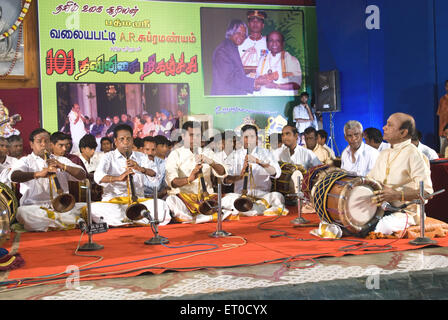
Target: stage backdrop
106, 56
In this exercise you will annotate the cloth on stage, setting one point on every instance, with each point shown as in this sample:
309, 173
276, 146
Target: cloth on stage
327, 231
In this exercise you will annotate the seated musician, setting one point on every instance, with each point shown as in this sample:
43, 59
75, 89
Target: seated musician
292, 153
158, 181
6, 162
358, 157
106, 144
114, 173
322, 153
183, 175
322, 137
34, 173
261, 167
400, 169
15, 146
66, 145
89, 157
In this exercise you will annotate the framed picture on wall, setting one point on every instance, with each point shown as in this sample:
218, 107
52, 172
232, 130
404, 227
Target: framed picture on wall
12, 44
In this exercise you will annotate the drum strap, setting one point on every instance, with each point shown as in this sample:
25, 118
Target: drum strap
321, 195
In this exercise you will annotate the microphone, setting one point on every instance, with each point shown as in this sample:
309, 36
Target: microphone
145, 214
82, 224
386, 206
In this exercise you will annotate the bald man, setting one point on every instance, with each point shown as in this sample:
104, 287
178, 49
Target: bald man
400, 169
285, 66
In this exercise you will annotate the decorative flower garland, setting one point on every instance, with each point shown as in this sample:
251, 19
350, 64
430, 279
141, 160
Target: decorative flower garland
19, 20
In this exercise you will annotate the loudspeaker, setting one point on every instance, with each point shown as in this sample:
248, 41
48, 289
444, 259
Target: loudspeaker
328, 93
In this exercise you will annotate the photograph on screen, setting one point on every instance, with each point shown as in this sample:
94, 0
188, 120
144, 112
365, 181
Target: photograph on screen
150, 109
250, 52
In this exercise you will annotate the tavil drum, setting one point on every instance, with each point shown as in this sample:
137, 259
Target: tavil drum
78, 190
311, 177
346, 200
8, 209
284, 183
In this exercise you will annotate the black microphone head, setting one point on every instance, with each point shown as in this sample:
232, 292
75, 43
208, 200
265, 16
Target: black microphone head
386, 206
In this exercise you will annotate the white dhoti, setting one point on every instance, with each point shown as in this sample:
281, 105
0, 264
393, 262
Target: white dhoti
182, 214
270, 203
394, 222
114, 214
35, 218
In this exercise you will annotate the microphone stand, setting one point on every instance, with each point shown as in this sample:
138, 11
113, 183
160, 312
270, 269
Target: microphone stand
219, 233
299, 220
157, 239
422, 240
90, 245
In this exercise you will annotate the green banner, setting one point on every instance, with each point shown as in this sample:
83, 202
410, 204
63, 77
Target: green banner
143, 57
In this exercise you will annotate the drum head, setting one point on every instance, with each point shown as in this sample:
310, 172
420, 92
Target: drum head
358, 213
4, 221
360, 209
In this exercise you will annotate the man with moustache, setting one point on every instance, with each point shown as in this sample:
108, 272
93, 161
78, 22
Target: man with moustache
280, 65
254, 47
357, 157
33, 172
113, 174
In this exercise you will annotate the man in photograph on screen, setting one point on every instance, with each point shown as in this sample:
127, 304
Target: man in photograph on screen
281, 66
254, 47
77, 128
229, 77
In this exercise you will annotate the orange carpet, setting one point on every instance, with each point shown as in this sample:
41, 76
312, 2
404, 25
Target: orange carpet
48, 255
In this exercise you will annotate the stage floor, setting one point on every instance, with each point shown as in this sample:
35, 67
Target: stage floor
405, 275
420, 273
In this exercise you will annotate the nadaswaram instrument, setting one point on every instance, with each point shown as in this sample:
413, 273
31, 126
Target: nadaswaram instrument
208, 206
245, 202
63, 202
284, 184
135, 209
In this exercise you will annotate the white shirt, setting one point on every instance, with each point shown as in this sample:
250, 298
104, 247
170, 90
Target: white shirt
301, 155
94, 161
114, 163
5, 169
261, 178
274, 64
181, 162
427, 151
77, 130
407, 167
300, 112
383, 146
159, 179
365, 158
37, 191
251, 51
